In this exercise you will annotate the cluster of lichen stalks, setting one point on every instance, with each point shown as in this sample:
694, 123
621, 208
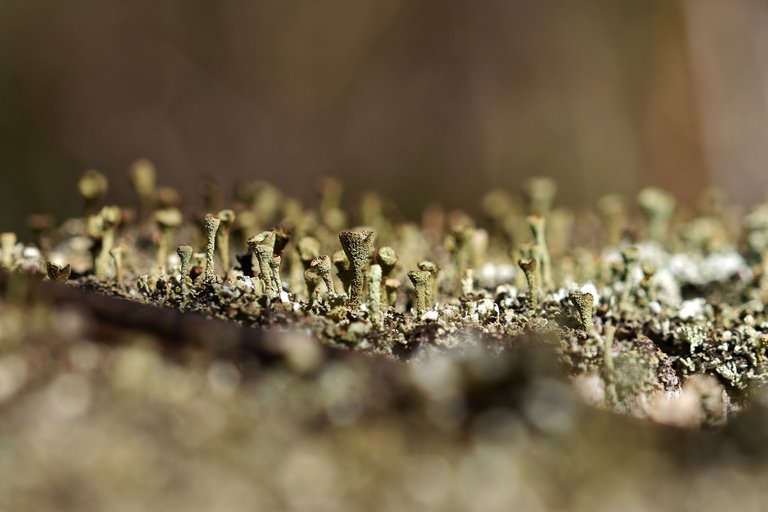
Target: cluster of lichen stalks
642, 312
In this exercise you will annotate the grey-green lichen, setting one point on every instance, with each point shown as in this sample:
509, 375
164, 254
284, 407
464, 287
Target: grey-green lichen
104, 227
93, 186
211, 226
168, 221
322, 267
227, 218
422, 283
262, 247
642, 304
358, 246
144, 181
530, 268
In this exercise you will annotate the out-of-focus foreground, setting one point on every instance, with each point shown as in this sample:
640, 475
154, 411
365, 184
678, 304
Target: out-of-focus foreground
86, 426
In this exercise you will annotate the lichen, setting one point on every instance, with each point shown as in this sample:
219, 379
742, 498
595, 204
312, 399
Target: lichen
643, 315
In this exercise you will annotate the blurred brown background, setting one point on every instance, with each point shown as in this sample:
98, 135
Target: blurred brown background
448, 96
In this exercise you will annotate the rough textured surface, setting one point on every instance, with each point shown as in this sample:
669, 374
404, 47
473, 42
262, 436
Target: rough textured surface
631, 376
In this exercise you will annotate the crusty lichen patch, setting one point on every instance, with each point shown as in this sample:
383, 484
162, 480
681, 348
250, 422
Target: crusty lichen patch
458, 364
639, 304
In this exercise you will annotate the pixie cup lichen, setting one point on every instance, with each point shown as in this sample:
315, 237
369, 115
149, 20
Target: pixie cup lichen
168, 221
358, 246
262, 246
322, 266
584, 303
227, 218
211, 227
185, 253
387, 259
144, 182
529, 266
422, 283
108, 220
374, 295
93, 186
58, 273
